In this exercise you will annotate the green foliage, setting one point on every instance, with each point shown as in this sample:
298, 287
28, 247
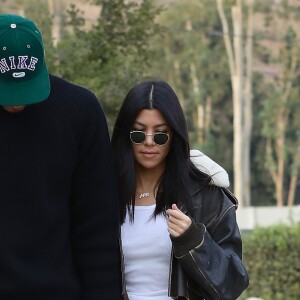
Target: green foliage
272, 259
114, 54
38, 11
192, 39
281, 100
262, 191
131, 40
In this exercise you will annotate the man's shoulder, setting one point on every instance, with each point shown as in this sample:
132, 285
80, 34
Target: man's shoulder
71, 103
61, 86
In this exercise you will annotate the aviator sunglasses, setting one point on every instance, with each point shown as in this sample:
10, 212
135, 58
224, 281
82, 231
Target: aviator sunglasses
159, 138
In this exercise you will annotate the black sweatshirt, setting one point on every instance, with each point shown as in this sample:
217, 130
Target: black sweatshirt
59, 224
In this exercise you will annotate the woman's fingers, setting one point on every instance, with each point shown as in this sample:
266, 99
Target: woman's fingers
178, 222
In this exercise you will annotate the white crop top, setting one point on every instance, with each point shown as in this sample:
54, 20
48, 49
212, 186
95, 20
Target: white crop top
147, 251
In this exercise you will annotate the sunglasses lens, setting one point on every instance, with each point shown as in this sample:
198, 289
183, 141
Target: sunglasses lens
137, 137
160, 138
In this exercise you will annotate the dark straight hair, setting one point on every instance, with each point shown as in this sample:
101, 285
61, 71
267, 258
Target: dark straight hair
173, 186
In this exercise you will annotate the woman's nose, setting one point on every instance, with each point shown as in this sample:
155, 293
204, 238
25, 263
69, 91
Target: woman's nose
149, 139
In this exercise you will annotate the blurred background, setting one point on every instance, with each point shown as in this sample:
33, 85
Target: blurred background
235, 65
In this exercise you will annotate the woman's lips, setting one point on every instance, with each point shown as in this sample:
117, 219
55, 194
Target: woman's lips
149, 154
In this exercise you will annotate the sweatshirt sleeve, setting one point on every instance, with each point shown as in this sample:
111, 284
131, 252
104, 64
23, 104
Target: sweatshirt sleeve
213, 259
95, 211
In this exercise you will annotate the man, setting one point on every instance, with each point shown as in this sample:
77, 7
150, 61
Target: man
59, 224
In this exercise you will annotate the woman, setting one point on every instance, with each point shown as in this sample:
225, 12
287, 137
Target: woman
179, 233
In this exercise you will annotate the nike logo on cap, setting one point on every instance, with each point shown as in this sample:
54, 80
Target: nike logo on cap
18, 74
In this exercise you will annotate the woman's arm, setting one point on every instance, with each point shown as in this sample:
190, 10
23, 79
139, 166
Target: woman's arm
212, 259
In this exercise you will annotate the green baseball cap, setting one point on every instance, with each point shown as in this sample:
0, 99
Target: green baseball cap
24, 78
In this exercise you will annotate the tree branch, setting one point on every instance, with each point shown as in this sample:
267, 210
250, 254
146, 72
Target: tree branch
226, 36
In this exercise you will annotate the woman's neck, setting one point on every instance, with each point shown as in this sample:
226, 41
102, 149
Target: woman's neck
146, 185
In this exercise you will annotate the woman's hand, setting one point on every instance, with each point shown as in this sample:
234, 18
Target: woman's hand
178, 222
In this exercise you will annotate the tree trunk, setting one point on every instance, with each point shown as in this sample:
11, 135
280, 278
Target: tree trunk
294, 178
292, 190
207, 115
200, 119
236, 65
285, 84
55, 10
237, 85
248, 109
281, 161
200, 108
177, 80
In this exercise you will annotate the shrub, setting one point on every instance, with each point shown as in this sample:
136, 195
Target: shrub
272, 259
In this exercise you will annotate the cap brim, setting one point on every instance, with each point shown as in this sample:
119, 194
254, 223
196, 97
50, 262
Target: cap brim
26, 92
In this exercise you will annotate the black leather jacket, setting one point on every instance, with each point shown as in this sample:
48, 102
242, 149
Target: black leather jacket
207, 259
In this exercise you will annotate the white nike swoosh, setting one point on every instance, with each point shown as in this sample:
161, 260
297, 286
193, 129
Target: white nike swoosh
18, 74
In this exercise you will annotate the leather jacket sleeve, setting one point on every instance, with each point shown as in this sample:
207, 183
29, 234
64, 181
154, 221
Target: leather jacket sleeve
210, 252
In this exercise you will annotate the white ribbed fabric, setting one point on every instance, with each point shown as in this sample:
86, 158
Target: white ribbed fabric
147, 250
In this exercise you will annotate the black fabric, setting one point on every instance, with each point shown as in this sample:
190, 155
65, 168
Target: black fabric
209, 266
59, 212
192, 238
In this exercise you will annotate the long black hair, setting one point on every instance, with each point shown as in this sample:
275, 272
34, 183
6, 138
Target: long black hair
173, 186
